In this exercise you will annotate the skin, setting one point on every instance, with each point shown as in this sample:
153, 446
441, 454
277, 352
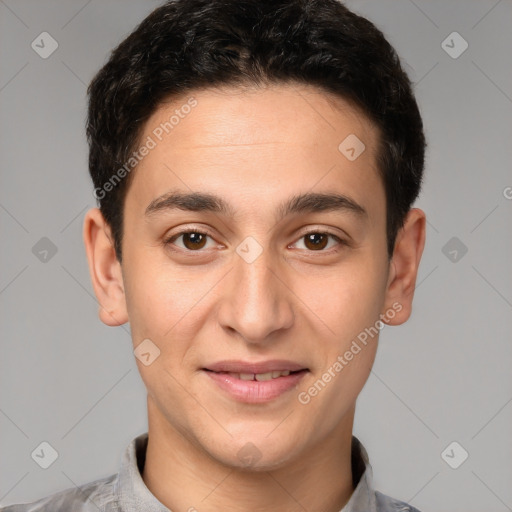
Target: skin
255, 148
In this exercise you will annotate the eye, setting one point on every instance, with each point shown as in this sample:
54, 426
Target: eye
192, 240
317, 241
195, 240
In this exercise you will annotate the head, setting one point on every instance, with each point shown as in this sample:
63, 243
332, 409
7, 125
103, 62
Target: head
255, 164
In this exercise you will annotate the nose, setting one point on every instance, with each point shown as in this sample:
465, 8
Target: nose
257, 302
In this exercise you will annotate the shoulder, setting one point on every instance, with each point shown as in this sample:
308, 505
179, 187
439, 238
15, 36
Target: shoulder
387, 504
93, 496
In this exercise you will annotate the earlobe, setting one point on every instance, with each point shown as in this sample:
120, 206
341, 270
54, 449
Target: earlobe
104, 269
404, 266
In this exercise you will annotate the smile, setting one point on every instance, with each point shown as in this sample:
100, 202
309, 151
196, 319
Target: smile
256, 387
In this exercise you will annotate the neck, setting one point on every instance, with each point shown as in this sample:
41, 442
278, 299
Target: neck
184, 477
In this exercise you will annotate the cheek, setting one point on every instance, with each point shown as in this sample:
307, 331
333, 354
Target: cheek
160, 299
350, 308
346, 301
169, 308
163, 309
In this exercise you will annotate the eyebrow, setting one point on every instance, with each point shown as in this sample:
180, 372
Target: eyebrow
298, 204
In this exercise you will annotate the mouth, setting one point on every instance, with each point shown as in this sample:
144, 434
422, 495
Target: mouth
255, 382
260, 377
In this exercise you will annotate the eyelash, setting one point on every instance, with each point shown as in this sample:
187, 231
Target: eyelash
169, 241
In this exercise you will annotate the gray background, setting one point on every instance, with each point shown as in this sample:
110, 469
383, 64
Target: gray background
67, 379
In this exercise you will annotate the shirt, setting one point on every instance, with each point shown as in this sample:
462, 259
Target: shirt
126, 491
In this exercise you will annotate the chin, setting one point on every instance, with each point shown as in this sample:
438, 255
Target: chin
256, 453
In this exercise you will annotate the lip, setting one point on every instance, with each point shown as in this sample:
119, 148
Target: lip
273, 365
253, 391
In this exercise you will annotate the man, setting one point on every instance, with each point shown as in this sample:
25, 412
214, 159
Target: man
255, 164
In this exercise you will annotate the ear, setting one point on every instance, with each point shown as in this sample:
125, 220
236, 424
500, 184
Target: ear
403, 267
105, 269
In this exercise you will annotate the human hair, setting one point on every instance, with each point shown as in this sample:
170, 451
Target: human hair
186, 45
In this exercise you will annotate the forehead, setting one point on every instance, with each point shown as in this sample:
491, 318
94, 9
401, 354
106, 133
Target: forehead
256, 142
292, 114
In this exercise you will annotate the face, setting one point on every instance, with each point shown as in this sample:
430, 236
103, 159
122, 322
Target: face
254, 257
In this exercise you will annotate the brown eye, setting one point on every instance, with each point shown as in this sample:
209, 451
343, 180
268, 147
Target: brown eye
191, 241
316, 241
194, 241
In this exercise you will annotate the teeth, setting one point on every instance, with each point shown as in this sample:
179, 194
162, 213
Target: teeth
263, 376
260, 377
